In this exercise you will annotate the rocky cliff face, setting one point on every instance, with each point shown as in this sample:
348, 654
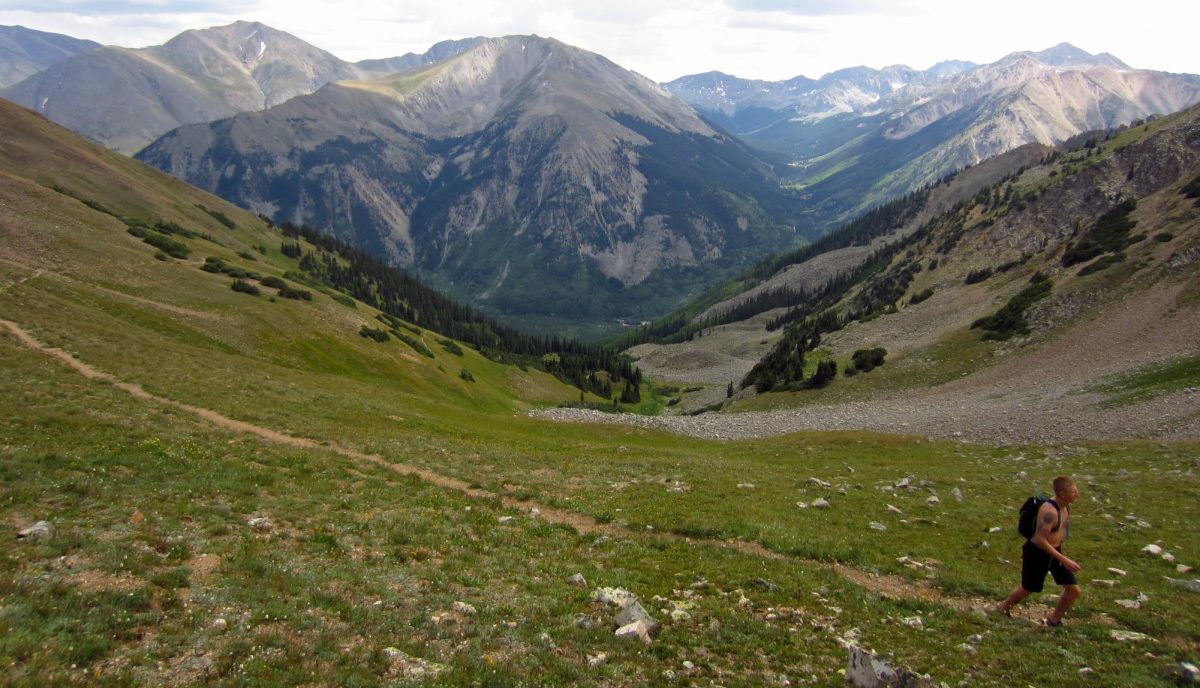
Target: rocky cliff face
526, 174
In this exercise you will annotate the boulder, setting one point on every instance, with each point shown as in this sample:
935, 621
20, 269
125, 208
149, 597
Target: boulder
1153, 550
409, 668
41, 529
636, 630
1192, 585
636, 612
577, 580
820, 503
865, 669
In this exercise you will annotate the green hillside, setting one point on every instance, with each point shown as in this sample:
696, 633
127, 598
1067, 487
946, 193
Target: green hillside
418, 529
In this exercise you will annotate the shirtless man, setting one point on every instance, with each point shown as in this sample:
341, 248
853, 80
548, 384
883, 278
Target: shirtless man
1042, 554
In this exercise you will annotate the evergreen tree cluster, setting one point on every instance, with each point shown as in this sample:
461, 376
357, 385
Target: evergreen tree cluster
1110, 234
1010, 319
353, 271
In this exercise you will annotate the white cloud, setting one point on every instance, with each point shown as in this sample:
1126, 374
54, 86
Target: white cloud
773, 39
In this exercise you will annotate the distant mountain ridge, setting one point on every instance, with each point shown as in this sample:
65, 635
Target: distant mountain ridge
859, 137
126, 98
526, 174
25, 52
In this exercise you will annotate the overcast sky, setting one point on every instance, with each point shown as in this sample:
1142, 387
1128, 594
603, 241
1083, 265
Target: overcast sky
665, 39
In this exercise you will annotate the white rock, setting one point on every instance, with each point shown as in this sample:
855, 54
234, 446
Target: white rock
1086, 671
975, 639
893, 510
1153, 550
505, 519
1130, 604
220, 625
933, 500
1104, 582
969, 649
820, 503
957, 494
802, 505
1168, 557
1128, 636
876, 525
1116, 571
746, 486
902, 484
913, 622
636, 630
1183, 568
995, 529
688, 665
1190, 673
41, 529
596, 660
577, 580
464, 608
1193, 585
615, 596
259, 523
818, 482
680, 615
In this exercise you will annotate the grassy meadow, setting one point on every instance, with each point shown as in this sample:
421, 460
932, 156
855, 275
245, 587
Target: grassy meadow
158, 571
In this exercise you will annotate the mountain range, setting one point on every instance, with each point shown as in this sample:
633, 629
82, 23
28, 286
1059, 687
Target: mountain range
25, 52
126, 98
860, 136
528, 175
541, 181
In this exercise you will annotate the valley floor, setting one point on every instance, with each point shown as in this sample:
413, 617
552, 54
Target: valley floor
1043, 392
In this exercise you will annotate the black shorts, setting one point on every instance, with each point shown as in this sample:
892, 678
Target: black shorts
1036, 562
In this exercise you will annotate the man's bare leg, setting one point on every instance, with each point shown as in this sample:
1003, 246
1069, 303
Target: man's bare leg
1019, 593
1070, 593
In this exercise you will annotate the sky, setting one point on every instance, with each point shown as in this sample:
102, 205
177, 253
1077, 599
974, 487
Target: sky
666, 39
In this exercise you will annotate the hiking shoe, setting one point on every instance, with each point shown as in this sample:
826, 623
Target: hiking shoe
1052, 624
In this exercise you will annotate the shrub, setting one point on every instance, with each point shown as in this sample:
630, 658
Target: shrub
1163, 237
241, 285
416, 344
977, 276
920, 296
451, 347
218, 216
159, 241
1010, 319
826, 371
298, 294
372, 333
466, 375
1101, 263
274, 282
866, 360
1109, 234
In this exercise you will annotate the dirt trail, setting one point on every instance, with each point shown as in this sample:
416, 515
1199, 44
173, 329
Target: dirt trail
889, 586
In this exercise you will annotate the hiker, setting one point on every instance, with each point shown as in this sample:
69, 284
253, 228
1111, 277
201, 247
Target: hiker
1042, 554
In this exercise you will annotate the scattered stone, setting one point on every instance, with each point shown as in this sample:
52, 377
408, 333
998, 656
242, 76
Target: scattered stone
818, 482
1130, 604
636, 630
913, 622
1086, 671
220, 625
688, 665
746, 486
1104, 582
680, 615
1128, 636
933, 500
407, 667
1168, 557
1116, 572
596, 660
761, 584
802, 505
902, 484
586, 622
615, 596
41, 529
507, 519
865, 669
1143, 524
975, 639
577, 580
259, 523
635, 612
967, 648
957, 494
535, 512
820, 503
1153, 550
982, 544
1189, 673
876, 525
1183, 568
464, 609
1192, 585
995, 529
893, 510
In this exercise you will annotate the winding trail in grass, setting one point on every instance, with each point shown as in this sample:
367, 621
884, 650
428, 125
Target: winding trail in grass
889, 586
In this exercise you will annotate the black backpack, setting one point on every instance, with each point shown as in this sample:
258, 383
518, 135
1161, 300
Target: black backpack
1027, 517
